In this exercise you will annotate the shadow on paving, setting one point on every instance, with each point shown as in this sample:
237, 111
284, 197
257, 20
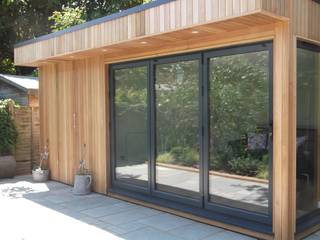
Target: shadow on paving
31, 211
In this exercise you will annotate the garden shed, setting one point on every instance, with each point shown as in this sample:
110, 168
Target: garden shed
22, 89
205, 108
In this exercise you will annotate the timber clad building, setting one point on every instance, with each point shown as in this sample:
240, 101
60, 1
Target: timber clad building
208, 109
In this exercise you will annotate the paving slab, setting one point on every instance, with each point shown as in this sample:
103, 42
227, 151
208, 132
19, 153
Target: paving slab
37, 211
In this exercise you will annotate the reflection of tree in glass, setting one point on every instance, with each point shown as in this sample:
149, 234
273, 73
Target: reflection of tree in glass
131, 116
177, 109
239, 105
131, 89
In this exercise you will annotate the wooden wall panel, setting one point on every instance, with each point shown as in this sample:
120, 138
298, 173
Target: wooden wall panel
73, 113
284, 132
167, 17
306, 19
49, 116
85, 79
279, 7
91, 123
66, 128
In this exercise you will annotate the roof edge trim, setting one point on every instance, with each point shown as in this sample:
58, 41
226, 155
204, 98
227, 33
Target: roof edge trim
97, 21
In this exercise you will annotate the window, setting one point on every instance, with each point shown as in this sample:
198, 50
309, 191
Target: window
240, 130
194, 132
308, 126
177, 127
130, 105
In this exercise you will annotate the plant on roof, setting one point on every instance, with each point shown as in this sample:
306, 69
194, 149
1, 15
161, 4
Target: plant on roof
8, 131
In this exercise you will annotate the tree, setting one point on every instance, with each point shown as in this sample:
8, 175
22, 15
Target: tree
27, 19
67, 17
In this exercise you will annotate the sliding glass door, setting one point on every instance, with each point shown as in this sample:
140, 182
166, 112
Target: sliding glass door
307, 143
240, 127
177, 126
196, 130
131, 124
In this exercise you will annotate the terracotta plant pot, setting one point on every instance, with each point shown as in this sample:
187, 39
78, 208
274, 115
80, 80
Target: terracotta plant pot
7, 166
82, 184
39, 175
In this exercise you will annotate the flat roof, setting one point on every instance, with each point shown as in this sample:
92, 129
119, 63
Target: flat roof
107, 18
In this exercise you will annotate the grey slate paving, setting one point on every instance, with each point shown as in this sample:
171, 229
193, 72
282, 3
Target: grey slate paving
102, 211
123, 217
165, 221
150, 234
98, 214
195, 231
226, 235
313, 237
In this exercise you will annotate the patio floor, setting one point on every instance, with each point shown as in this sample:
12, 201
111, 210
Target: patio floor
32, 211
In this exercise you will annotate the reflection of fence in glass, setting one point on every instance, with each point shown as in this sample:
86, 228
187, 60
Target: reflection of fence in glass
131, 123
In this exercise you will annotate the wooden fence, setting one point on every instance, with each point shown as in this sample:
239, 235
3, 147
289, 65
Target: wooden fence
27, 121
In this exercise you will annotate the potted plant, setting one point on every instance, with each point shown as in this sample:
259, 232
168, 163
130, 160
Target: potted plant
8, 140
83, 178
41, 173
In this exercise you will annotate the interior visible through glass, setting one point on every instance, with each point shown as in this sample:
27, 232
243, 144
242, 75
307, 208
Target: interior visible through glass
131, 124
308, 123
240, 130
177, 127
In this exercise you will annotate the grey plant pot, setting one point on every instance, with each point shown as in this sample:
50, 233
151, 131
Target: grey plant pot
7, 166
40, 175
82, 184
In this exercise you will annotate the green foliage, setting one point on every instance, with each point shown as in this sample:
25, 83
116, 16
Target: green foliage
239, 103
67, 17
26, 19
7, 66
8, 131
182, 156
165, 158
247, 166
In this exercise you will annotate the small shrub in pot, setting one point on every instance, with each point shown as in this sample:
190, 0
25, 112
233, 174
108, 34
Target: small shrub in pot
8, 139
83, 177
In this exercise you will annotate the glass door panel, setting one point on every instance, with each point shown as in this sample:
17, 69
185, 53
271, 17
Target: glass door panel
308, 124
240, 130
177, 127
131, 123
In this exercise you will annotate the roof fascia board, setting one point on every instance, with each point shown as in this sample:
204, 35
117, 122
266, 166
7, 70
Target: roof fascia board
97, 21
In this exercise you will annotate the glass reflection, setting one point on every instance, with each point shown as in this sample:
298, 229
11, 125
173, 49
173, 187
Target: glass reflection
177, 127
308, 123
240, 131
131, 124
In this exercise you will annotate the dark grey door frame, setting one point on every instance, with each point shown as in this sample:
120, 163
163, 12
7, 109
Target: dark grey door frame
198, 206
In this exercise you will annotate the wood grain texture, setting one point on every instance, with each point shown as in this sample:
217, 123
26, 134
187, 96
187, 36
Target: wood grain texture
73, 112
165, 18
306, 19
74, 84
27, 148
284, 139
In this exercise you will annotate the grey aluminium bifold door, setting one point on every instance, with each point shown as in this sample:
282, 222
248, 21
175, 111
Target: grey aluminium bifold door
177, 125
238, 130
130, 125
194, 132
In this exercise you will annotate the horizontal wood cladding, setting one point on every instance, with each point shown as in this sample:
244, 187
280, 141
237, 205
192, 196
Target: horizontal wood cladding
73, 113
167, 17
